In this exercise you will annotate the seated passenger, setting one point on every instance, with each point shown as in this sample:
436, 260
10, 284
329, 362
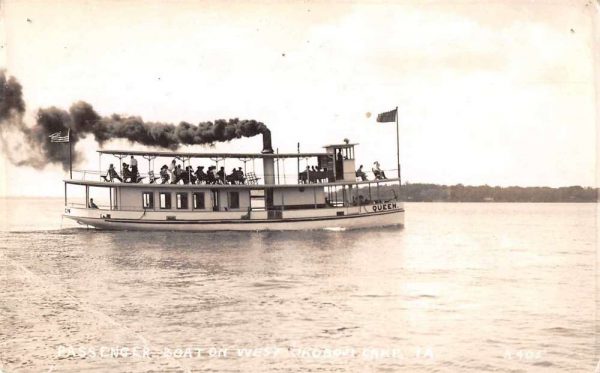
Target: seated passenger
187, 176
164, 174
211, 175
221, 175
232, 178
171, 170
92, 204
127, 176
201, 175
240, 175
378, 172
178, 171
112, 174
360, 173
191, 174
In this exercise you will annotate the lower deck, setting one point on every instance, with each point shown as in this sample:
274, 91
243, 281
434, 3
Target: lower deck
349, 217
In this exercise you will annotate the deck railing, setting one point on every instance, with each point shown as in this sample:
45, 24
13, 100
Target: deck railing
251, 178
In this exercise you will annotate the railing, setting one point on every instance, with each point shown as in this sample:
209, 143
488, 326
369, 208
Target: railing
304, 177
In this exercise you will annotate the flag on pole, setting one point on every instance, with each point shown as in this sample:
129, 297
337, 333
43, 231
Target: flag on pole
389, 116
56, 137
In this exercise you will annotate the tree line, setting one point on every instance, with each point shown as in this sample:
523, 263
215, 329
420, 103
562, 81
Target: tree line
485, 193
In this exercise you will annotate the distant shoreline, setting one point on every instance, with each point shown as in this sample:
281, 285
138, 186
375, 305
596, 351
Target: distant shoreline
421, 192
485, 193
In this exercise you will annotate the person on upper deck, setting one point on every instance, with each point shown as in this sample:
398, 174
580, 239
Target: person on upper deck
164, 174
240, 175
127, 177
200, 174
221, 175
211, 178
339, 165
134, 170
378, 172
112, 173
360, 173
92, 204
171, 169
232, 178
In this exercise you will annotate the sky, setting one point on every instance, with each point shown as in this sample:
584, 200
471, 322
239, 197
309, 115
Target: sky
488, 92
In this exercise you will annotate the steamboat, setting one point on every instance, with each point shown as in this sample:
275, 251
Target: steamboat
326, 192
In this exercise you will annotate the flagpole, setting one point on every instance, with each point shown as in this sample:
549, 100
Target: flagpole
398, 146
70, 161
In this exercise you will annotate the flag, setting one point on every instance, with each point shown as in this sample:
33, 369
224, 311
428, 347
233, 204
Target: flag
389, 116
56, 137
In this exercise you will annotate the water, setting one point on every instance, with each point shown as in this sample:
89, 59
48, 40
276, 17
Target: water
462, 288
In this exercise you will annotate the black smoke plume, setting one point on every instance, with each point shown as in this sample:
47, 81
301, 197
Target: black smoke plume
36, 150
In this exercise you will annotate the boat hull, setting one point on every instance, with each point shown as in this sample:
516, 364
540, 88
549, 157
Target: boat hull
364, 218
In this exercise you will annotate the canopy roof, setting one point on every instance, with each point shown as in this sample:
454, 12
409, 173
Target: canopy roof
344, 145
173, 154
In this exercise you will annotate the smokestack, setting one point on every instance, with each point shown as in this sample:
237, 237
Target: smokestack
268, 168
267, 147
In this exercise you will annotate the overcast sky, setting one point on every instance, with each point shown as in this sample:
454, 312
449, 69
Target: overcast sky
489, 92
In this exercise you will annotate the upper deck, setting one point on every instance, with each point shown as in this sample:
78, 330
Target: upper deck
335, 166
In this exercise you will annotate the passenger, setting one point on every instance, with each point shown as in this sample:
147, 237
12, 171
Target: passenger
92, 204
211, 175
232, 178
339, 165
112, 174
361, 200
164, 174
191, 176
171, 169
185, 175
178, 171
241, 177
127, 178
360, 173
134, 170
378, 172
221, 175
201, 175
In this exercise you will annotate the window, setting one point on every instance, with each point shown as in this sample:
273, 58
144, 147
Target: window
234, 200
199, 201
182, 201
147, 200
165, 200
215, 200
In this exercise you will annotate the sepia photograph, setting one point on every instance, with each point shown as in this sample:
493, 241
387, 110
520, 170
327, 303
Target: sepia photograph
299, 186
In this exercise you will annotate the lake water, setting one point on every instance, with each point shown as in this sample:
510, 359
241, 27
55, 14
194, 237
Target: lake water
462, 288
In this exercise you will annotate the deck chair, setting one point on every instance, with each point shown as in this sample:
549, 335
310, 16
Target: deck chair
251, 178
151, 177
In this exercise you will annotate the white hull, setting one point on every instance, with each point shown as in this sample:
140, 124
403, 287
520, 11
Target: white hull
321, 219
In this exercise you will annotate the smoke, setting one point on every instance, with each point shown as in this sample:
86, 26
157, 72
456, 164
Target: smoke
24, 145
